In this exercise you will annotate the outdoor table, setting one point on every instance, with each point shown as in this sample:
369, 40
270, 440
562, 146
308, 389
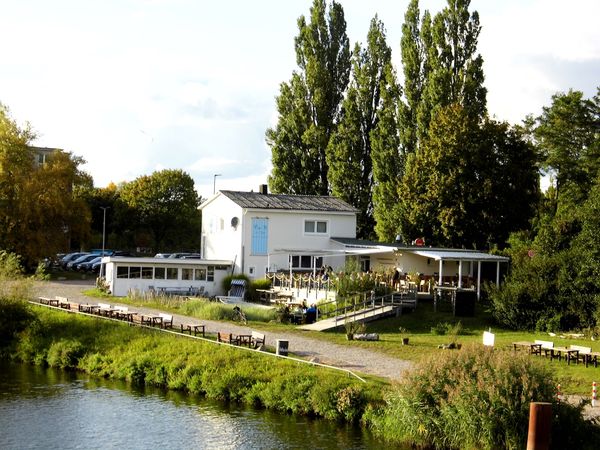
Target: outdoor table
534, 349
151, 319
193, 328
53, 302
125, 315
569, 354
244, 339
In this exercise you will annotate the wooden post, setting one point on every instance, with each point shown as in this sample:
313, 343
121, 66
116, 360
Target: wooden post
540, 421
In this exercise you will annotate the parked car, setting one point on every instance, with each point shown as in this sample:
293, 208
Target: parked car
162, 255
70, 257
72, 265
86, 266
121, 253
184, 255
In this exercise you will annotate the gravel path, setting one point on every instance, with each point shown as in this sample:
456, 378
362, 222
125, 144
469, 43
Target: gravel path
348, 357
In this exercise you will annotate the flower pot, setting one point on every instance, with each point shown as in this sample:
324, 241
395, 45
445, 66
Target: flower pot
405, 341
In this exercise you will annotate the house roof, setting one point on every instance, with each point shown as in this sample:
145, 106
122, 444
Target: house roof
446, 254
256, 200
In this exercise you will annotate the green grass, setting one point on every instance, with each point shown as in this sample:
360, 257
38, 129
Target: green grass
574, 379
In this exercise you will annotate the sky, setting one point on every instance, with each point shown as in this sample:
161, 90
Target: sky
136, 86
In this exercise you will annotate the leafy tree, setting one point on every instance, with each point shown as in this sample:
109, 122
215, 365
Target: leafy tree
165, 204
468, 186
389, 159
441, 66
40, 210
567, 134
349, 153
309, 105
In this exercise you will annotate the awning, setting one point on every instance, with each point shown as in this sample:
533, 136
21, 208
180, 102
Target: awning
457, 255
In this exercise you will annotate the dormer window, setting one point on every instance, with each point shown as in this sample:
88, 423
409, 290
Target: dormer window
315, 227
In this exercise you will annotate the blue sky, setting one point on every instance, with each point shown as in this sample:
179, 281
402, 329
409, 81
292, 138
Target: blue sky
135, 86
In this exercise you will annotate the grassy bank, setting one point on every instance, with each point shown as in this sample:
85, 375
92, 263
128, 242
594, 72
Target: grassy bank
147, 357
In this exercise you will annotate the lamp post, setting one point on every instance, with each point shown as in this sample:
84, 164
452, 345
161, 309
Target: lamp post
215, 181
104, 208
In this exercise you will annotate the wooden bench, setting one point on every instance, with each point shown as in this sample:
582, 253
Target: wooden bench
585, 355
192, 327
122, 312
227, 338
44, 300
257, 340
547, 347
63, 302
167, 320
104, 309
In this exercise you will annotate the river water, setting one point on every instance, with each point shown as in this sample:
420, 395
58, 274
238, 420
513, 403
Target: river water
49, 409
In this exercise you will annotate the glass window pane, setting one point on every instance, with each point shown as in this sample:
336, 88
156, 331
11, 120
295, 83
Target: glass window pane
187, 274
159, 273
295, 261
309, 226
200, 274
172, 273
147, 273
210, 275
318, 262
321, 227
135, 272
122, 272
306, 261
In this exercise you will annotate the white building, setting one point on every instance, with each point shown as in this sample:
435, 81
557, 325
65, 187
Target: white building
164, 274
262, 232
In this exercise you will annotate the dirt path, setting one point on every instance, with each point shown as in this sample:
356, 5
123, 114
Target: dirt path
351, 358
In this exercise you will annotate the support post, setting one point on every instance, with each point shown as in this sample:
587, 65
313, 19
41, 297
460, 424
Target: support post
440, 277
540, 421
497, 273
478, 279
460, 274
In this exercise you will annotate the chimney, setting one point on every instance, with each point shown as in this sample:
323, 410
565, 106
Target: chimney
263, 189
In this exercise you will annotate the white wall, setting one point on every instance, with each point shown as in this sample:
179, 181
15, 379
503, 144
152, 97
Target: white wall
219, 239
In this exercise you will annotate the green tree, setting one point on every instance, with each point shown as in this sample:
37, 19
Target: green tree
567, 134
309, 105
165, 204
441, 66
41, 212
349, 152
468, 186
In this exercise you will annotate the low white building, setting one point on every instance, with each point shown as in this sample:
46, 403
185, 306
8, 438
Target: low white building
124, 274
262, 232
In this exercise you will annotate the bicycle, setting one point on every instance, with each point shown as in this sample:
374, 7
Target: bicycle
239, 316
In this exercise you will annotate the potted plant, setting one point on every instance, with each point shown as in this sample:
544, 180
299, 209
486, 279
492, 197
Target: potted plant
404, 335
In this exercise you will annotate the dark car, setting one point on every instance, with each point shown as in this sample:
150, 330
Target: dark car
184, 255
72, 265
70, 257
86, 266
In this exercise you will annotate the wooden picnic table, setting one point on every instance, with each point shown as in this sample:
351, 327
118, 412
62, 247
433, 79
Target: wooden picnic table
244, 339
124, 315
534, 349
151, 319
568, 353
190, 327
88, 308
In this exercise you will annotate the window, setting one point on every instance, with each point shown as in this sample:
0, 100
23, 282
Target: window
147, 273
159, 273
251, 270
135, 272
365, 263
260, 235
200, 274
172, 273
315, 227
122, 272
305, 261
187, 274
210, 274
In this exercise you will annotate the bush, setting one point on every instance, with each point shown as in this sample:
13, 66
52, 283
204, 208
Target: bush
65, 354
475, 398
15, 316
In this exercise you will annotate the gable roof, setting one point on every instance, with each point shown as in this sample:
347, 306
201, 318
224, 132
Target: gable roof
256, 200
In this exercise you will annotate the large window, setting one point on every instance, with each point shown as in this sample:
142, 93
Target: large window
187, 274
135, 272
306, 262
172, 273
122, 272
315, 227
159, 273
147, 273
200, 274
210, 274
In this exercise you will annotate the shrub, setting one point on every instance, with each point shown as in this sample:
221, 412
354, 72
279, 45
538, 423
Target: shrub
472, 399
15, 316
65, 354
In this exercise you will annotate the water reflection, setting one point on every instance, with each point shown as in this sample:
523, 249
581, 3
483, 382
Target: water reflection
44, 408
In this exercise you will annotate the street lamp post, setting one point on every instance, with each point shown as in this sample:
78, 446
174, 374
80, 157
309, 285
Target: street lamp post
104, 208
215, 181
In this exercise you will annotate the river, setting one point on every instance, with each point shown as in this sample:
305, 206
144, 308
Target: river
49, 409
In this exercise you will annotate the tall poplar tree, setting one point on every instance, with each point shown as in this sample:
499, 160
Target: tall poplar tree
309, 105
349, 152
